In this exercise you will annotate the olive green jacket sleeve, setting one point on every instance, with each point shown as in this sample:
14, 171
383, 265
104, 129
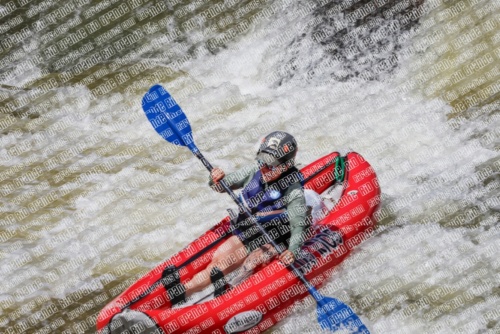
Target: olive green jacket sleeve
297, 212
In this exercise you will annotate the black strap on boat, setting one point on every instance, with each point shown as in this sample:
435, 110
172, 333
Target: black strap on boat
170, 276
218, 281
171, 280
196, 256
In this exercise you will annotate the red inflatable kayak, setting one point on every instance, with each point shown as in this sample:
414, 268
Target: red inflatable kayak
267, 296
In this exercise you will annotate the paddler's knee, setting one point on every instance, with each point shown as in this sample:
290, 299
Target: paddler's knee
226, 263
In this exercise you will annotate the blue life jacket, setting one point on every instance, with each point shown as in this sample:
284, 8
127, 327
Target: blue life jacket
260, 199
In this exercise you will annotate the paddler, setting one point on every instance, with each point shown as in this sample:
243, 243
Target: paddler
272, 191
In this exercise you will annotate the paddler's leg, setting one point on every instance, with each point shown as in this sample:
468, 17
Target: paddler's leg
261, 255
229, 256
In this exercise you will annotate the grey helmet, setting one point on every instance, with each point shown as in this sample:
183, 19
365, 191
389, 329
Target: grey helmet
280, 145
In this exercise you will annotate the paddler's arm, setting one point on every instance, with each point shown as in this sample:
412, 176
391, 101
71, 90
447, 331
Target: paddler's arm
297, 213
235, 180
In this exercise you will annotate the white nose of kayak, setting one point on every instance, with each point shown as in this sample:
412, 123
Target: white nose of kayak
130, 321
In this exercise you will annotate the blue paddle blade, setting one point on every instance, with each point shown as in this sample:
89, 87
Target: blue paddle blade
334, 315
167, 117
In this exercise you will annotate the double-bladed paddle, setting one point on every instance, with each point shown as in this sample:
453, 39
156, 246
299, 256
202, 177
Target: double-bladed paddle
168, 119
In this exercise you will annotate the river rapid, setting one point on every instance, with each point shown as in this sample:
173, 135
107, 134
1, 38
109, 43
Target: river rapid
92, 198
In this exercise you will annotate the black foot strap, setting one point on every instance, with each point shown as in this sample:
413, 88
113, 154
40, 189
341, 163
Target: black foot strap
172, 283
219, 281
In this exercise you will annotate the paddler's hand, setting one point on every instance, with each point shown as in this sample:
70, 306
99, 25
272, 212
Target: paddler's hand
217, 174
287, 258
